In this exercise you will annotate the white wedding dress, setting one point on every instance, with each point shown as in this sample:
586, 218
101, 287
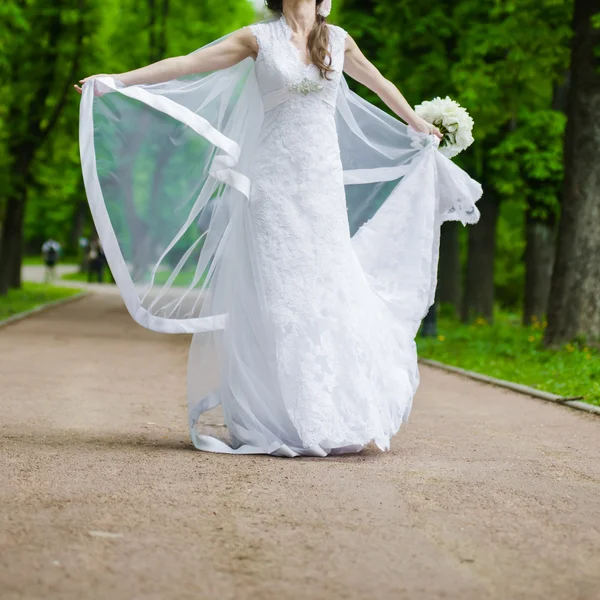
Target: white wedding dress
308, 333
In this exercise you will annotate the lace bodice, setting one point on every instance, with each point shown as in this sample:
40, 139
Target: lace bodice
282, 74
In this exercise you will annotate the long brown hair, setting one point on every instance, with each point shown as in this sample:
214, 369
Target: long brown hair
318, 38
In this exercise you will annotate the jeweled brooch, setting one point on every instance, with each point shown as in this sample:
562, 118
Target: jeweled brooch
306, 86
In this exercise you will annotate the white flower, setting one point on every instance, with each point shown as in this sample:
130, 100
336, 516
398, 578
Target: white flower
453, 121
325, 8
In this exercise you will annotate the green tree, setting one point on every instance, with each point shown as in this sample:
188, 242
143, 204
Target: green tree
575, 299
45, 47
503, 61
42, 45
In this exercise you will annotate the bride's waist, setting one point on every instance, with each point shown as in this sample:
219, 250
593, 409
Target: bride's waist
299, 96
291, 134
296, 138
300, 117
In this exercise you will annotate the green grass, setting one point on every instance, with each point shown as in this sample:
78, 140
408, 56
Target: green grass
509, 351
37, 260
33, 260
30, 296
183, 279
77, 276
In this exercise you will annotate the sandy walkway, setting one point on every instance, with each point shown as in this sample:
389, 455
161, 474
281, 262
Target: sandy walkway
486, 494
37, 273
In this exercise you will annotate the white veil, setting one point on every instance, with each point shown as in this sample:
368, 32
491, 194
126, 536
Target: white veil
166, 170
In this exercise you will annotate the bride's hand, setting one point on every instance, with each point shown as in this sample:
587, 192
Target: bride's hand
421, 125
78, 88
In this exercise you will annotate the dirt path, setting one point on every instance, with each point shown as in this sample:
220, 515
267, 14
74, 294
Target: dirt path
485, 494
37, 273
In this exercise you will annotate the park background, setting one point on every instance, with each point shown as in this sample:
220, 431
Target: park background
519, 293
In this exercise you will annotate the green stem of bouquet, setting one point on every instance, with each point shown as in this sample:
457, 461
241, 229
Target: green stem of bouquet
449, 138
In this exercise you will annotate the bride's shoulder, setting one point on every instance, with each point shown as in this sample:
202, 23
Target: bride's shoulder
271, 28
262, 33
258, 28
337, 37
336, 29
337, 32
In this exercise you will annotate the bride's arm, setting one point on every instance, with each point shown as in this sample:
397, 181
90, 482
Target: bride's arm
232, 50
360, 68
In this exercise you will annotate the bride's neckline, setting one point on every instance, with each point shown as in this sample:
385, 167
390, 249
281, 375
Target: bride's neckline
299, 55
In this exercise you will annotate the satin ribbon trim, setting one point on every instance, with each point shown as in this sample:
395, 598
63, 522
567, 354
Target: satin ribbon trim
222, 170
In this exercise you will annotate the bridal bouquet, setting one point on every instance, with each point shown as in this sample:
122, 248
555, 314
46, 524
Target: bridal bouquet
452, 120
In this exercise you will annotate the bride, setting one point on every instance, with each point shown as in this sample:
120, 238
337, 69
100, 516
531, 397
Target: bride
244, 194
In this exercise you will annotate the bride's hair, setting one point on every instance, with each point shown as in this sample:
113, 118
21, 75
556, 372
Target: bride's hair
318, 39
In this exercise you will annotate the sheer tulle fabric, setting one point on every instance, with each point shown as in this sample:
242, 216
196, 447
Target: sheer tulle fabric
168, 174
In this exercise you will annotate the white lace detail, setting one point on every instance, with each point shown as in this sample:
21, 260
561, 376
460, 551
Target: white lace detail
345, 377
279, 65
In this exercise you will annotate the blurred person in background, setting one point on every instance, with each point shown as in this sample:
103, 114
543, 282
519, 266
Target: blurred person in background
95, 261
50, 255
84, 248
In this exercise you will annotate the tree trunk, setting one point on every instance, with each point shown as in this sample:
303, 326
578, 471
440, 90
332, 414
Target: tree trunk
80, 213
157, 26
479, 285
540, 233
574, 309
449, 271
162, 42
539, 260
11, 246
